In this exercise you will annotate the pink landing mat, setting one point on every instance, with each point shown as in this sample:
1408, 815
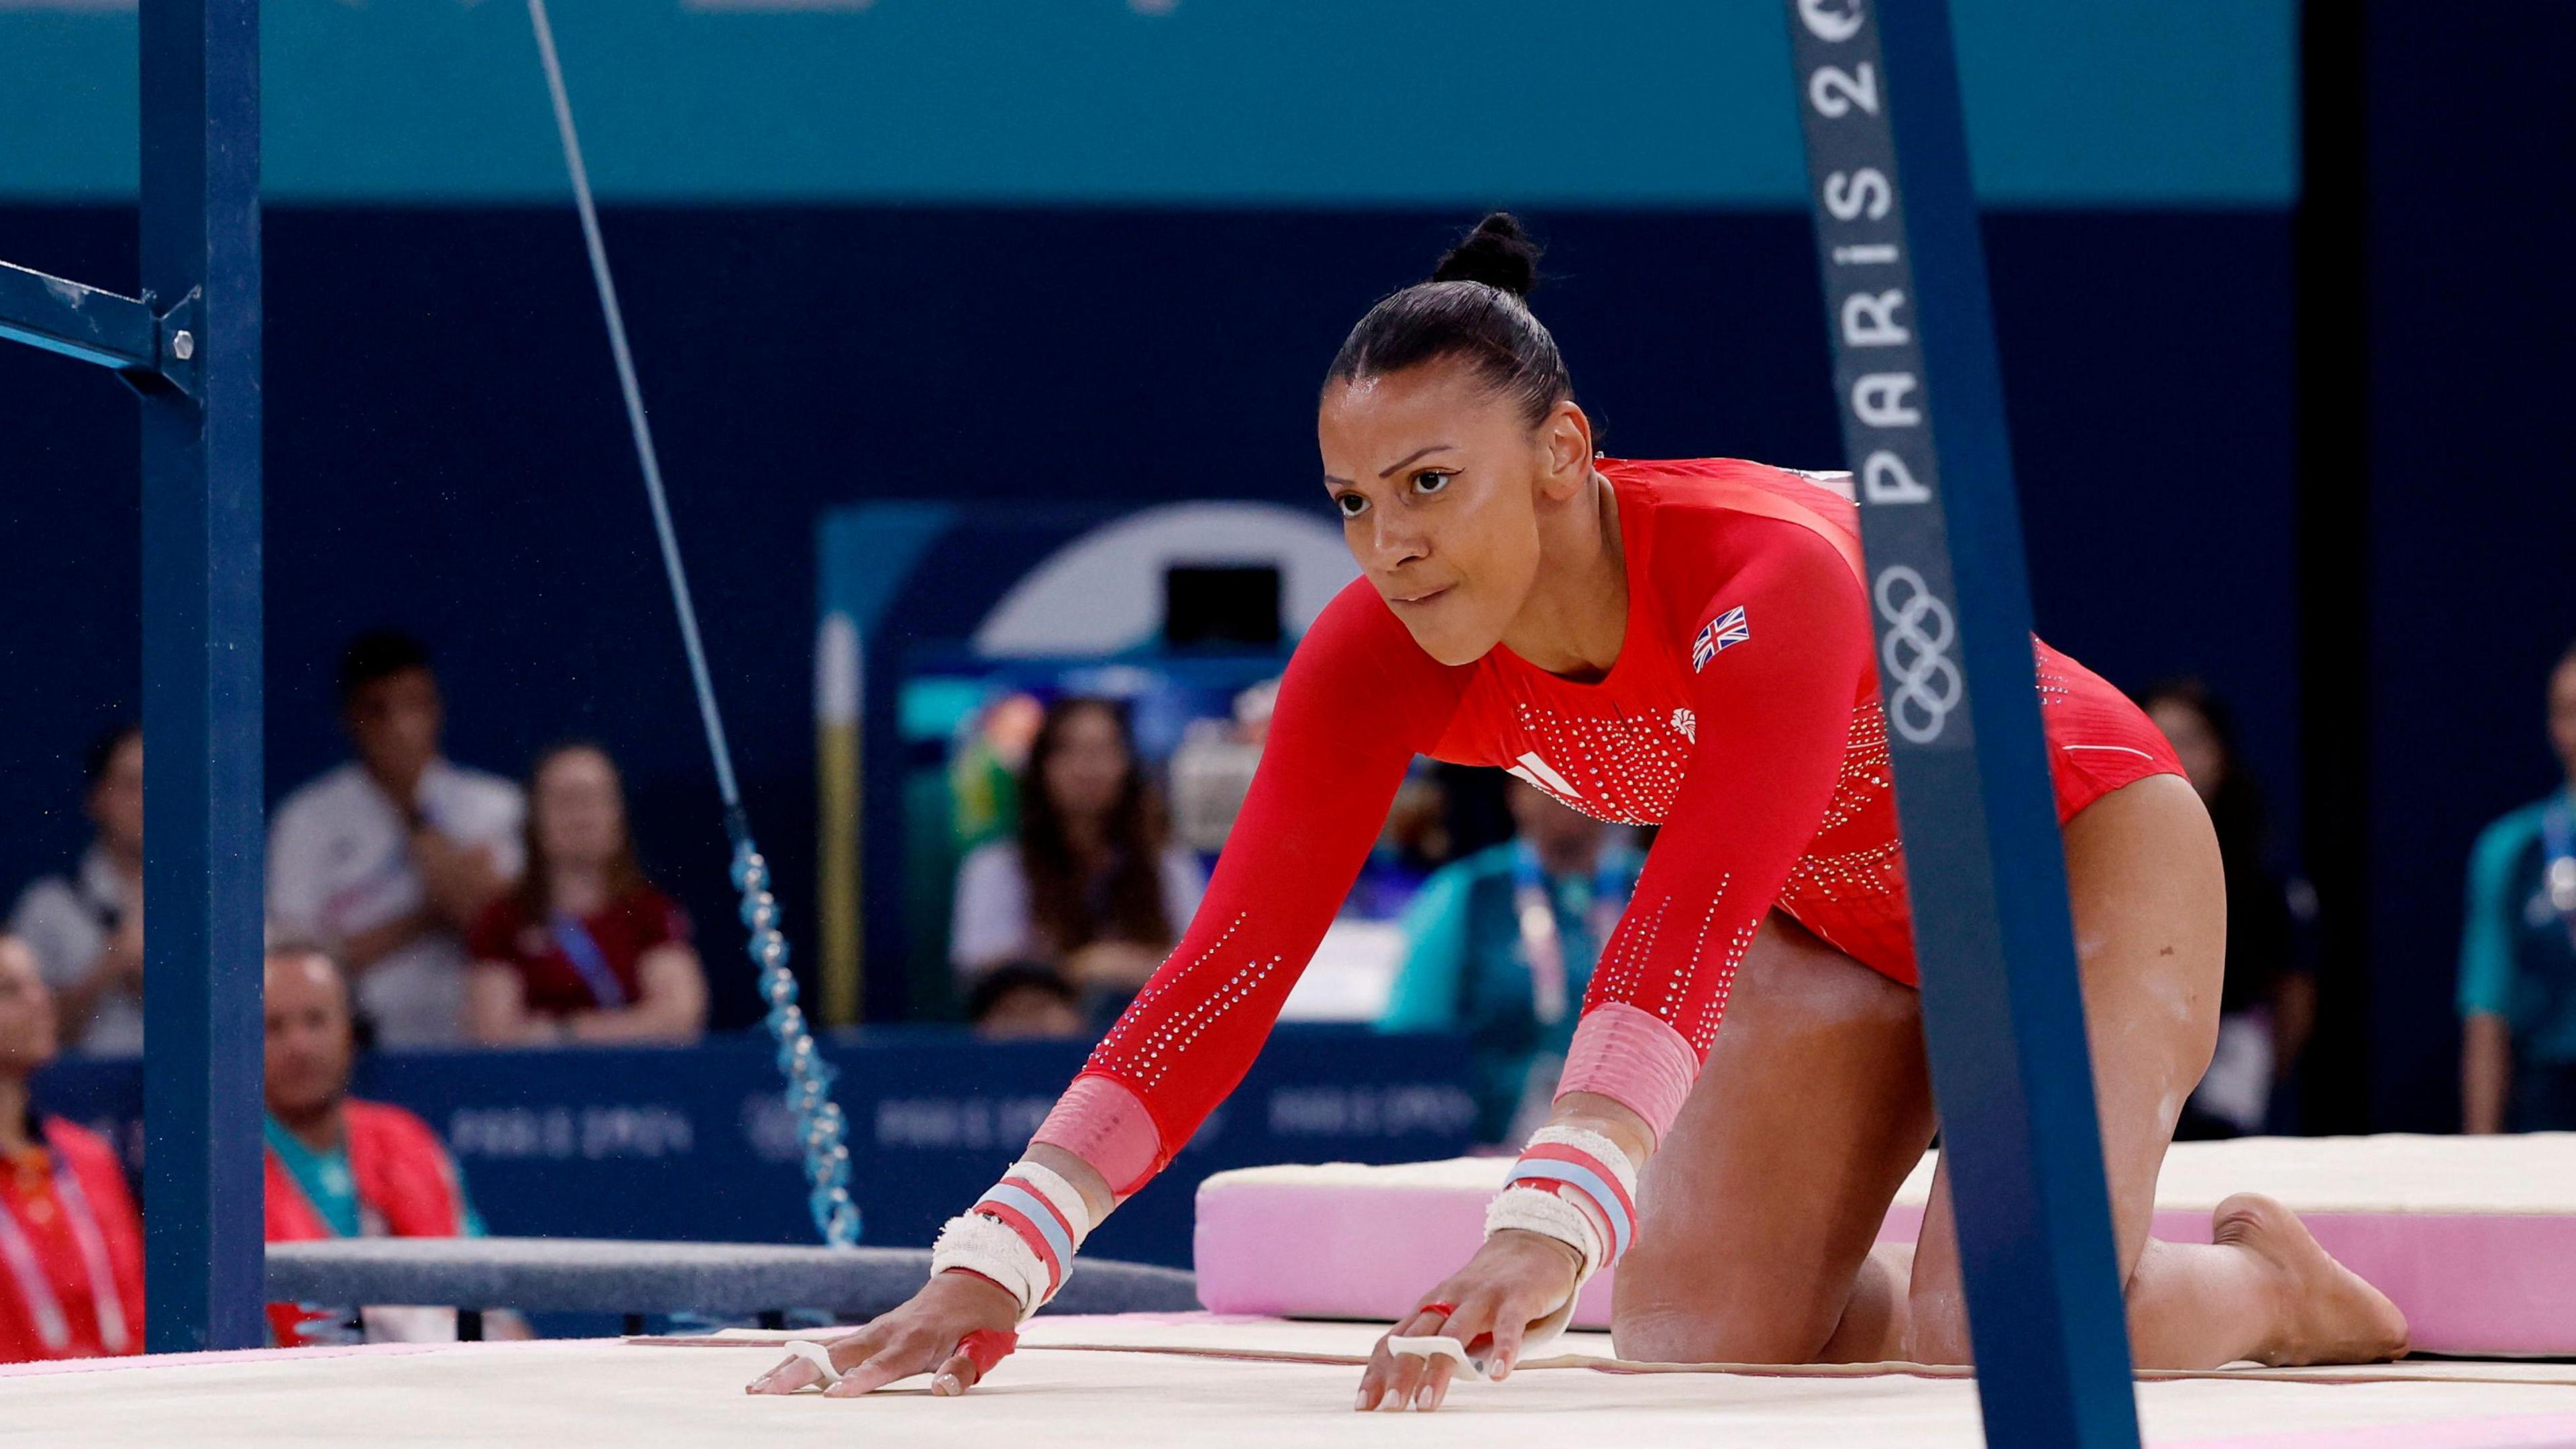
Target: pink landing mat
2473, 1237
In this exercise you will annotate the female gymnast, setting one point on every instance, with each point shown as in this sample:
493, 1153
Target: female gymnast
1682, 643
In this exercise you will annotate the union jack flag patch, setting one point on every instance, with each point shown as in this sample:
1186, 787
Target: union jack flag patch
1723, 631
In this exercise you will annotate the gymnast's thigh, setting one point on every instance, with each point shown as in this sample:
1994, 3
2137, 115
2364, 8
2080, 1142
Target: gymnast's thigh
2150, 911
1757, 1210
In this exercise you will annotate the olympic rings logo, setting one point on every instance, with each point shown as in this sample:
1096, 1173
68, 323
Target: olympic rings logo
1925, 684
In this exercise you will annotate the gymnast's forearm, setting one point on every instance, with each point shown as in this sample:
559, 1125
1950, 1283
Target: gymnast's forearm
1186, 1041
1086, 1179
1358, 700
1592, 1112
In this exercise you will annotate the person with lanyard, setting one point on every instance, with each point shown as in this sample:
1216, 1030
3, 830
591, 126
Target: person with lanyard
340, 1167
583, 948
2518, 952
1501, 945
71, 1243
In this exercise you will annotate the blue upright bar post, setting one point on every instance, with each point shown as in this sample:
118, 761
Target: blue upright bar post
201, 676
1921, 400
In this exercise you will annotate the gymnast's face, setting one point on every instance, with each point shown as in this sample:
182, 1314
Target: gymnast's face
1443, 485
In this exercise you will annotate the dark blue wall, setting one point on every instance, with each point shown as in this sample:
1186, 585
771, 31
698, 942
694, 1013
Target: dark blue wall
446, 450
2473, 510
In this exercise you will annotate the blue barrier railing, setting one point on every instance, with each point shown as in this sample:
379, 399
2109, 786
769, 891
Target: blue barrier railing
695, 1142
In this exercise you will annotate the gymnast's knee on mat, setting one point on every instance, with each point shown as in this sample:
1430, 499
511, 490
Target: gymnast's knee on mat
1677, 1312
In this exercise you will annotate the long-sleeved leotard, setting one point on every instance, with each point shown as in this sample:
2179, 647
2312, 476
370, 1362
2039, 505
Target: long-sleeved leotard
1741, 716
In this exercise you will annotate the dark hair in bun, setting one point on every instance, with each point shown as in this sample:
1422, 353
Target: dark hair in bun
1497, 253
1470, 309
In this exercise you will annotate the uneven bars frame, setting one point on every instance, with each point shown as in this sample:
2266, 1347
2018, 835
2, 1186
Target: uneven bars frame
190, 347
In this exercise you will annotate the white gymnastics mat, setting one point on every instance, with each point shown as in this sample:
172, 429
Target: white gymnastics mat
1194, 1379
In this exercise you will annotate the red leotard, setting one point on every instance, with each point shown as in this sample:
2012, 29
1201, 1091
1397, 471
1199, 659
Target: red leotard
1755, 741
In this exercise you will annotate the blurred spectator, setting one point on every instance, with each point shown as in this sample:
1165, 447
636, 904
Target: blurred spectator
2518, 952
583, 948
1092, 885
1212, 769
984, 773
87, 928
389, 860
70, 1240
339, 1167
1025, 1000
2267, 1005
1502, 945
1416, 841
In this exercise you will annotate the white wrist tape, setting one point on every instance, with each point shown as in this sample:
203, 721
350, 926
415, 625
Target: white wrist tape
991, 1249
817, 1355
1530, 1210
1578, 1187
1059, 1194
1584, 1167
1022, 1234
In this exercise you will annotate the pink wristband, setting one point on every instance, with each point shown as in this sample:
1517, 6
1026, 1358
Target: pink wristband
1635, 1059
1100, 1121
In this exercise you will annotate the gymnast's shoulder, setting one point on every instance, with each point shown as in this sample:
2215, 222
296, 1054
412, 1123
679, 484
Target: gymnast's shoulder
1691, 524
1679, 490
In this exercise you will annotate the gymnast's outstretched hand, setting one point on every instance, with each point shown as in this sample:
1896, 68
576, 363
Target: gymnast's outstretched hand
920, 1337
1514, 1280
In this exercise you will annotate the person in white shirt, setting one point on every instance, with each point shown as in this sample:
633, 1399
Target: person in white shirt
86, 928
1092, 884
388, 859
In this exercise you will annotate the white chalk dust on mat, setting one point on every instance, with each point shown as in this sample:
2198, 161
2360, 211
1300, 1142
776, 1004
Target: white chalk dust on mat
643, 1396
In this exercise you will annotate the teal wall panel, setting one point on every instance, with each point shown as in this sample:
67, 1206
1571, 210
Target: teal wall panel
1635, 103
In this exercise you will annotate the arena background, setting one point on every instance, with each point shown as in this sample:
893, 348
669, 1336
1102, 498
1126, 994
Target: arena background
1035, 284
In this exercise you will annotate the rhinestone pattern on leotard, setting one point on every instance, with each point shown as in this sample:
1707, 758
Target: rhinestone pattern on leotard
1146, 1059
1843, 865
1625, 768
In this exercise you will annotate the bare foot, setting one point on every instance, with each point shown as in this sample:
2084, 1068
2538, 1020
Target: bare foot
2329, 1315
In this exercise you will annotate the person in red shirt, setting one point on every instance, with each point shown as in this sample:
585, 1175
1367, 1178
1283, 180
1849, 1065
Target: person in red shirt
584, 949
1685, 644
338, 1166
71, 1243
